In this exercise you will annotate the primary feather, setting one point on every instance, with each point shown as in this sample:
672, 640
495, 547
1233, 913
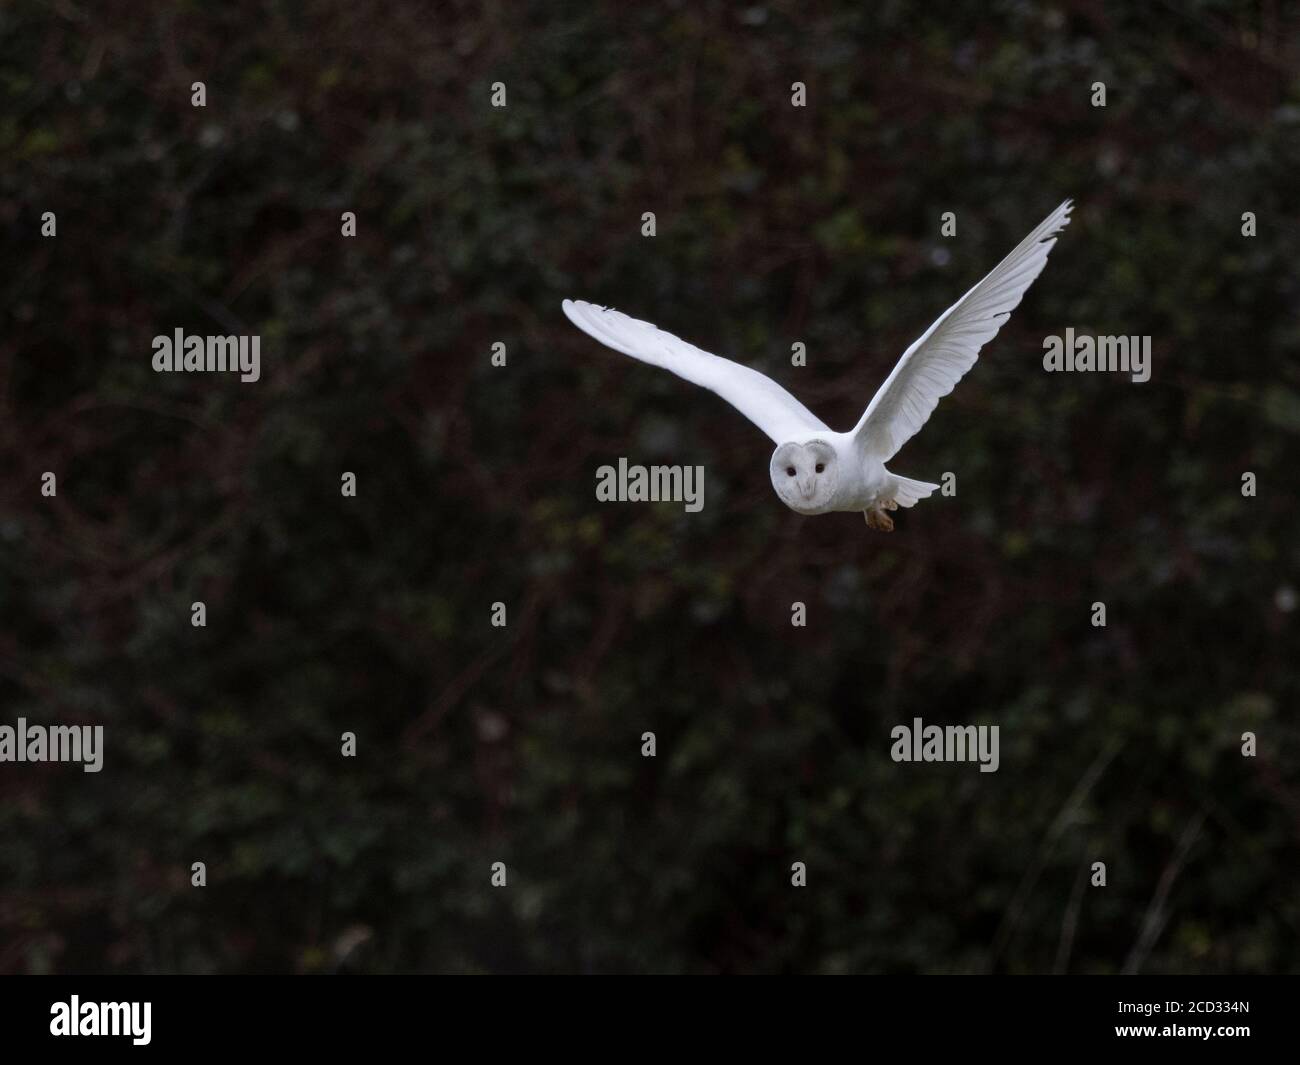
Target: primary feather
933, 365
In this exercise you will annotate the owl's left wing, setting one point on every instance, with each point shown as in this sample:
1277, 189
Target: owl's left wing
756, 396
932, 366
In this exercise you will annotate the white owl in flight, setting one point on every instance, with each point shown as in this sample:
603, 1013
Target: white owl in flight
815, 470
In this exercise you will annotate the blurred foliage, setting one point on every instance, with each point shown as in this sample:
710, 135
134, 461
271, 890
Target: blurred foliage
775, 225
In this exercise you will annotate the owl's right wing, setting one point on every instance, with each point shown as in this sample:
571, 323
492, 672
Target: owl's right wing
756, 396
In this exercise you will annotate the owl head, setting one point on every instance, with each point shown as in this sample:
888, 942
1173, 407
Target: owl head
805, 476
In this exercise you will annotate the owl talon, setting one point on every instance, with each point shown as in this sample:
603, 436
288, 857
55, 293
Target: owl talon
878, 520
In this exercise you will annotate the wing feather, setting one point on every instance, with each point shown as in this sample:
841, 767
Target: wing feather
755, 395
933, 365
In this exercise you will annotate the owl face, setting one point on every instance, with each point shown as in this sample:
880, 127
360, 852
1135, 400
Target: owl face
805, 476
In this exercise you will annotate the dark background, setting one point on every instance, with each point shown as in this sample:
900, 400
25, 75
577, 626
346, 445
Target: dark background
476, 484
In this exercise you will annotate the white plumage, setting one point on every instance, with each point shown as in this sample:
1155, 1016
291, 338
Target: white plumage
815, 470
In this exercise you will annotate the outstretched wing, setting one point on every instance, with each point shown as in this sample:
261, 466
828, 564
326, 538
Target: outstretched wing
932, 366
756, 396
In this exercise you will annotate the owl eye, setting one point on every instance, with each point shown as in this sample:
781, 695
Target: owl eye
789, 471
820, 466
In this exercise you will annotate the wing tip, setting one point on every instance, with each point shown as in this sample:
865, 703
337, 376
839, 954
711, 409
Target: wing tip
580, 312
577, 307
1053, 224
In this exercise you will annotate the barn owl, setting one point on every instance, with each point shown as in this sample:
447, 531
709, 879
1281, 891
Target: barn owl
813, 469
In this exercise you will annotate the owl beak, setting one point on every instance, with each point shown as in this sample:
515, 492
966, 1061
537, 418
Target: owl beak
806, 488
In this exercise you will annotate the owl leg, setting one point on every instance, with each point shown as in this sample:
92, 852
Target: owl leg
877, 519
